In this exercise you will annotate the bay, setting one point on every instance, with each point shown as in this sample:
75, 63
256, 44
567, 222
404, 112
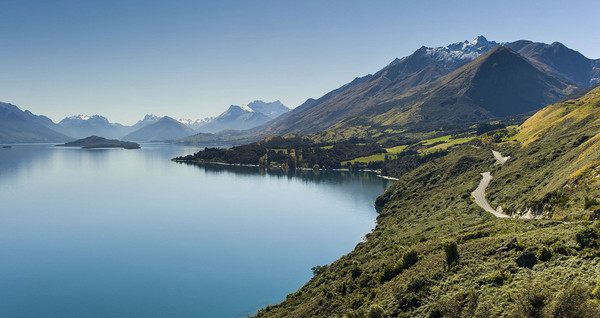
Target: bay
128, 233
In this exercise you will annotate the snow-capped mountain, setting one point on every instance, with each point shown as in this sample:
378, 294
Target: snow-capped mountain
271, 110
403, 77
461, 52
244, 117
81, 126
148, 119
195, 124
237, 118
455, 54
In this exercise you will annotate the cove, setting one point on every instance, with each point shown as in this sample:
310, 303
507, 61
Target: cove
128, 233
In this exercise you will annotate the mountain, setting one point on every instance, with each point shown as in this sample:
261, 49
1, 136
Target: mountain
81, 126
400, 77
399, 83
559, 60
147, 120
23, 126
497, 84
236, 118
595, 72
164, 129
271, 110
196, 124
435, 252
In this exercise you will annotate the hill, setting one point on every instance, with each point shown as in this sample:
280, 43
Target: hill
23, 126
436, 253
164, 129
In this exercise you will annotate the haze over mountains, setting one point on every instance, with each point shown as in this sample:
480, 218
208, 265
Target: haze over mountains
19, 126
23, 126
464, 82
245, 116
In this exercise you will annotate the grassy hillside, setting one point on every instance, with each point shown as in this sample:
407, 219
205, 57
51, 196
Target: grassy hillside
556, 157
435, 253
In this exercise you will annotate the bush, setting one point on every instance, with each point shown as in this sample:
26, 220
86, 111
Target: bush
389, 272
531, 301
587, 237
560, 248
451, 250
375, 311
544, 254
318, 269
573, 302
409, 258
498, 278
590, 202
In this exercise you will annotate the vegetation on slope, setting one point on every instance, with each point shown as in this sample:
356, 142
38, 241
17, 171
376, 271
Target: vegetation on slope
434, 253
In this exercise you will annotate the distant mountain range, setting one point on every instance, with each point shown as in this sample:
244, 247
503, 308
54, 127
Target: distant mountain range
81, 126
23, 126
433, 88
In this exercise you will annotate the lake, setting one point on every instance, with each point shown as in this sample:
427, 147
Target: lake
128, 233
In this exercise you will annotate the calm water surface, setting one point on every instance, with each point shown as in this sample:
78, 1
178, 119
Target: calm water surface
128, 233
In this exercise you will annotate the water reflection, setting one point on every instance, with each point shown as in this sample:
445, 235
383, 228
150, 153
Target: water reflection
129, 233
361, 183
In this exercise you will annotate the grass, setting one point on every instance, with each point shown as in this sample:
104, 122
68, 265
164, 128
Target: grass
504, 267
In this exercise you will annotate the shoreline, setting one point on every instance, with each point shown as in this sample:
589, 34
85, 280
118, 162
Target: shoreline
378, 172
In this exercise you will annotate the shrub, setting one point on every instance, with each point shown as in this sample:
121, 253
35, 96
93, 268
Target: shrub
389, 272
409, 258
587, 237
498, 278
318, 269
573, 302
532, 300
451, 250
544, 254
560, 248
375, 311
590, 202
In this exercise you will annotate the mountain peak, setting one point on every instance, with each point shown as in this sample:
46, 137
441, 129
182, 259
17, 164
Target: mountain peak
457, 53
246, 108
481, 40
150, 117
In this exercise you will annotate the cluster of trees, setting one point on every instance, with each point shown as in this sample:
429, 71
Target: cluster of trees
291, 152
406, 162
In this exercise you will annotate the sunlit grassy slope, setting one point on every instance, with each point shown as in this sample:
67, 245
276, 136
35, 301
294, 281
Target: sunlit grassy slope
434, 253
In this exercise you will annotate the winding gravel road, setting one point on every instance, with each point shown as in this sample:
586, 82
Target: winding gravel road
501, 160
480, 199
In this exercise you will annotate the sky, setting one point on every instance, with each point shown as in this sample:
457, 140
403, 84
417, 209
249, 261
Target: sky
192, 59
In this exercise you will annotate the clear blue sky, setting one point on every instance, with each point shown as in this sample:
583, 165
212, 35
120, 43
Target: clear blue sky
123, 59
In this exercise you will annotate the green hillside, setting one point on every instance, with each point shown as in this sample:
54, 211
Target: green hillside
435, 253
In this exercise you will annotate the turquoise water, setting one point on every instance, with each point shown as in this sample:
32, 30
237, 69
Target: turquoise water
128, 233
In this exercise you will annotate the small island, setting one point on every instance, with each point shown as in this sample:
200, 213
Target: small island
100, 142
